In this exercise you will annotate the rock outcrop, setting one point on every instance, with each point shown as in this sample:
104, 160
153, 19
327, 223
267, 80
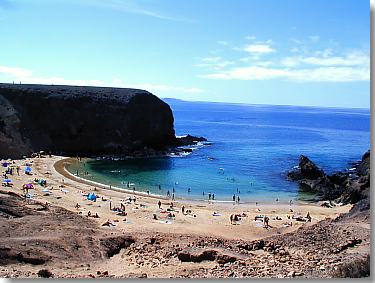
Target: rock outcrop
344, 187
80, 120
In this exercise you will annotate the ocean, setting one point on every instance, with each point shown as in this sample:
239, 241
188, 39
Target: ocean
252, 147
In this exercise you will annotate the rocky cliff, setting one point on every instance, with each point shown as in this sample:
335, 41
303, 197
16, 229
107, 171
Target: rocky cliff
81, 120
345, 187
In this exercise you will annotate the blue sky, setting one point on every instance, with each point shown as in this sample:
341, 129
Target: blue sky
294, 52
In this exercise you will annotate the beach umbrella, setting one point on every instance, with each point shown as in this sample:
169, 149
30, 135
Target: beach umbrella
7, 181
5, 164
28, 169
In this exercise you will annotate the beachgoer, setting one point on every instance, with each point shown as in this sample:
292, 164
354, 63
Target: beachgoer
173, 190
290, 202
266, 219
213, 196
148, 192
183, 209
238, 199
189, 190
89, 213
159, 187
234, 197
159, 204
308, 217
231, 219
168, 193
209, 196
203, 193
172, 196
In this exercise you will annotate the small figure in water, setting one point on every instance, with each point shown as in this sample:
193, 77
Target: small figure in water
173, 190
209, 196
168, 193
172, 196
159, 187
203, 193
189, 190
238, 199
234, 197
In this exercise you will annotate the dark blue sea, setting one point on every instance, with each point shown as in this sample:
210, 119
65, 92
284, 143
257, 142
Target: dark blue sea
253, 146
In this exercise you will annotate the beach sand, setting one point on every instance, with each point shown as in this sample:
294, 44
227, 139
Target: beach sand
140, 215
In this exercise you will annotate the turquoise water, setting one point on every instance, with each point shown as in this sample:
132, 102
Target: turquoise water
254, 145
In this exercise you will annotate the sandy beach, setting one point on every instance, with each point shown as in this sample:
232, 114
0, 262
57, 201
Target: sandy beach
140, 214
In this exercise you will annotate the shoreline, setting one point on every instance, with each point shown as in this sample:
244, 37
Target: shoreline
60, 166
209, 219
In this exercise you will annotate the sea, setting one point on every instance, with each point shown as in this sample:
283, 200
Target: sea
250, 150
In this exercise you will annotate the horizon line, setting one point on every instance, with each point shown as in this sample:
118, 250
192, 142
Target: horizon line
267, 104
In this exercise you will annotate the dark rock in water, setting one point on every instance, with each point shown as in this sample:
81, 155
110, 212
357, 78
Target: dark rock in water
189, 140
306, 170
344, 187
80, 120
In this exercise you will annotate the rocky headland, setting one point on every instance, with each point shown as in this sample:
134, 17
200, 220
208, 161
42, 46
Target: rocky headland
350, 186
85, 121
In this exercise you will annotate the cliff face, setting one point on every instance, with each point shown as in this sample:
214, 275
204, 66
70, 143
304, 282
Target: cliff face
81, 120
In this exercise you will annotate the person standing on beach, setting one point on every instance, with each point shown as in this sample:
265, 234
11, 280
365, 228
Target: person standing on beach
183, 209
213, 196
168, 194
238, 199
159, 204
172, 196
234, 198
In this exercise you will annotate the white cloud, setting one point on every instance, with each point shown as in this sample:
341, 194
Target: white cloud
211, 59
128, 6
14, 71
250, 37
322, 74
214, 63
354, 58
314, 38
259, 48
222, 42
26, 77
